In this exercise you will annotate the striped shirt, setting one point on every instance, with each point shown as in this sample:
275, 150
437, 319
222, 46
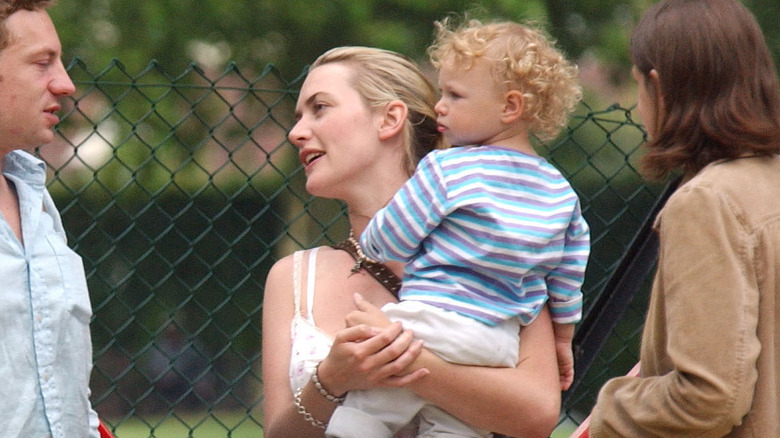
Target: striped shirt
488, 232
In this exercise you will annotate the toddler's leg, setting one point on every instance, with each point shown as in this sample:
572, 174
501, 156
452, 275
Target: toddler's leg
435, 423
375, 413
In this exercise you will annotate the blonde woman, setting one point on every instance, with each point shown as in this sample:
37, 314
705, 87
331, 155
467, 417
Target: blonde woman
359, 145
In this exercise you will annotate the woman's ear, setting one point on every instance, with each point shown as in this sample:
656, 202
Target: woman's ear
655, 85
655, 80
393, 119
654, 77
513, 106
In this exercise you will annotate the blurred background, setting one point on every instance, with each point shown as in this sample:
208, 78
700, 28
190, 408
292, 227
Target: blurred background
291, 33
179, 189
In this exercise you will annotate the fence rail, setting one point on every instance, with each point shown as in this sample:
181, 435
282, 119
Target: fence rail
180, 191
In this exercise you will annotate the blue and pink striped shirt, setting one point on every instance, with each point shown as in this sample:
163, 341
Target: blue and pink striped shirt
488, 232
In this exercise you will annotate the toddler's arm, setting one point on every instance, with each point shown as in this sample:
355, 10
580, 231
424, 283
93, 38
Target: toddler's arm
564, 333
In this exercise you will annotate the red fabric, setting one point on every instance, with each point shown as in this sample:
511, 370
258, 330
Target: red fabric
104, 431
582, 431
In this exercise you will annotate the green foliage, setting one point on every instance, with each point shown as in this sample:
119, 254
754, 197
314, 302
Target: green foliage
253, 33
291, 34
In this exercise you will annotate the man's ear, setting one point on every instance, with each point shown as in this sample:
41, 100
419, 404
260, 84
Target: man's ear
394, 117
513, 106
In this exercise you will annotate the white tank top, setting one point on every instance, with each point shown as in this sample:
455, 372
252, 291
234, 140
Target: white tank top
309, 344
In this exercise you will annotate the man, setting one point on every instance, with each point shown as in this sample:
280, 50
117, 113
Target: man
45, 346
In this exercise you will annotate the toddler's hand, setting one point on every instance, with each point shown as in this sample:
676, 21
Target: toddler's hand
563, 351
367, 314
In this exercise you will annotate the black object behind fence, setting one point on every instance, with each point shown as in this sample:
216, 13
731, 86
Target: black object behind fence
637, 264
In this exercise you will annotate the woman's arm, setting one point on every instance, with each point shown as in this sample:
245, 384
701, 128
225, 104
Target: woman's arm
699, 345
360, 358
522, 401
281, 417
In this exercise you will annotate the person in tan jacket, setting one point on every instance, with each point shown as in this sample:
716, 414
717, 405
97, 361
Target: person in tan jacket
710, 354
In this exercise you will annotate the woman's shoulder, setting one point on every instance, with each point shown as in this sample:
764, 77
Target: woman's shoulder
326, 257
746, 187
330, 256
736, 179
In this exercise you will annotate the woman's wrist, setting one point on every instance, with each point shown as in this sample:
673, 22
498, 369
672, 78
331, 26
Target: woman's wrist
327, 382
312, 407
305, 413
315, 378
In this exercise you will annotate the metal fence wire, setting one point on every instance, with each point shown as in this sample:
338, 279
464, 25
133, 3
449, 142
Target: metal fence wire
180, 192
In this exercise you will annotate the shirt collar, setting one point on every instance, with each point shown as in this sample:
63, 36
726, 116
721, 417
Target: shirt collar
25, 167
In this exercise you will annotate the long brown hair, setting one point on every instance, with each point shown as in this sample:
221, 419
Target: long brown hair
718, 88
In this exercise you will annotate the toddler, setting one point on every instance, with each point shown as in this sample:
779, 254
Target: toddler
490, 231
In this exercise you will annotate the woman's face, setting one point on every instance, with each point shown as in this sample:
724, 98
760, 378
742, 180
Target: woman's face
645, 102
335, 132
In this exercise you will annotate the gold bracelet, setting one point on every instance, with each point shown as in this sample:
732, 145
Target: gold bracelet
306, 414
325, 393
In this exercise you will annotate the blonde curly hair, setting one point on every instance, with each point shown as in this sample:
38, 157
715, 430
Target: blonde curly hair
523, 58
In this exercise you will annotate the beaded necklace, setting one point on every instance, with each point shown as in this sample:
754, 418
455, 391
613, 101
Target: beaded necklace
379, 271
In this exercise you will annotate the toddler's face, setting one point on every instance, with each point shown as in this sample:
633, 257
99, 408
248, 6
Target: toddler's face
469, 109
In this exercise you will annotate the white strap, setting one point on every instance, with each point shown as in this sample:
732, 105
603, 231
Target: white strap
297, 260
298, 277
310, 284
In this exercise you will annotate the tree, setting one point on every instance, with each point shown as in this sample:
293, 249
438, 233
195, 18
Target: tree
290, 34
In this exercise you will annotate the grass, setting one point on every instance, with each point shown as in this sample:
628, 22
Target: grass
232, 424
564, 430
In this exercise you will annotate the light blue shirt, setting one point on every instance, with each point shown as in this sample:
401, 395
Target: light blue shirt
489, 232
45, 345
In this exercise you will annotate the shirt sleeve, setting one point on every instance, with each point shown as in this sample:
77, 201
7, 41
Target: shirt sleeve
699, 347
564, 282
397, 230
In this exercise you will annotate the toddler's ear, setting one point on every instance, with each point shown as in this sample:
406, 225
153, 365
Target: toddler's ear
514, 105
393, 119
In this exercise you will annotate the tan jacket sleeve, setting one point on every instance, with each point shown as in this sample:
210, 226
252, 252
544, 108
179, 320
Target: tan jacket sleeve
699, 346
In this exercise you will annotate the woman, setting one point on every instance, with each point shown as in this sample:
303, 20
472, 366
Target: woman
365, 117
709, 97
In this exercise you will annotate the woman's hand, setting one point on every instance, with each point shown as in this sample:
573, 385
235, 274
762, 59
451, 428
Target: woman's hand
365, 357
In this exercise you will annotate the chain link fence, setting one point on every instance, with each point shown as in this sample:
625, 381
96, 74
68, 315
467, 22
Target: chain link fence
180, 191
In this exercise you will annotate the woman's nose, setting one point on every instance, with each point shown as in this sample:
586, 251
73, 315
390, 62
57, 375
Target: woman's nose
297, 134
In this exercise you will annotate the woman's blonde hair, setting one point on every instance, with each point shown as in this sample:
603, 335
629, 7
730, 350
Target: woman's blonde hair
382, 76
523, 59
